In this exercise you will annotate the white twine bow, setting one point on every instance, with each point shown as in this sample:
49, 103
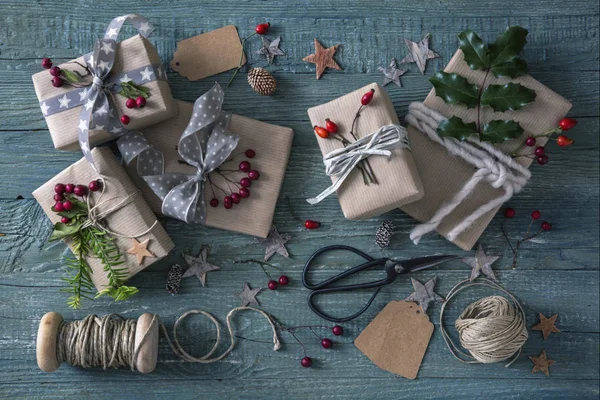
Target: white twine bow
341, 162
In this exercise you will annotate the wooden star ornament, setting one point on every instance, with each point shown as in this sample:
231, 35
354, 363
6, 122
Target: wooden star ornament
323, 58
541, 363
546, 325
140, 250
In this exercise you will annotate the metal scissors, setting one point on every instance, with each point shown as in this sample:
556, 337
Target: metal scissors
392, 268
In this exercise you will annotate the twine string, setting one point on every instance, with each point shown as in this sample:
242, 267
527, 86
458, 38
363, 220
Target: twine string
109, 341
492, 329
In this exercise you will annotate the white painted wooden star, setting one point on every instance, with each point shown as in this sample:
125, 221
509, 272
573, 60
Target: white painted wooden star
424, 294
275, 243
481, 263
198, 266
419, 53
248, 295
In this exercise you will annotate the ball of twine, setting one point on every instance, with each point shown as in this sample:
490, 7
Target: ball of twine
491, 329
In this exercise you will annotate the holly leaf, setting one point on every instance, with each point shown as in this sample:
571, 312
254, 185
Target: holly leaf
512, 69
454, 89
63, 231
508, 45
498, 131
455, 127
474, 50
511, 96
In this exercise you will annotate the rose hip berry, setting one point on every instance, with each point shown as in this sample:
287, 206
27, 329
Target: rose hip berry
326, 343
310, 224
46, 63
140, 101
59, 188
509, 212
337, 330
283, 280
244, 166
322, 132
245, 182
250, 153
253, 175
331, 126
272, 285
367, 97
567, 123
536, 214
261, 29
130, 103
306, 362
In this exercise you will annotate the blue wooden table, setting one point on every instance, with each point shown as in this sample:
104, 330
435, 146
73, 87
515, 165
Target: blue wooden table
557, 272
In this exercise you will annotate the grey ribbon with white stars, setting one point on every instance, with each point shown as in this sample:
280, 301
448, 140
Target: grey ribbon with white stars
205, 144
97, 106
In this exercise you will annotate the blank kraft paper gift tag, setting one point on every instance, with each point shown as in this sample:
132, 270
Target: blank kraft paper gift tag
397, 338
208, 54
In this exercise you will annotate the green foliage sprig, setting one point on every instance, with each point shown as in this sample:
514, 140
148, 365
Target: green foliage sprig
131, 90
89, 241
500, 58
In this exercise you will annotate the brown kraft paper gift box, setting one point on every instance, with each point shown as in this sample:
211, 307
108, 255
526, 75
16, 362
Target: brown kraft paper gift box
443, 175
132, 219
272, 143
131, 53
399, 181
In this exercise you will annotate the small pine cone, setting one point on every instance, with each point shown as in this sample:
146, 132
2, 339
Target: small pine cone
174, 279
262, 81
384, 233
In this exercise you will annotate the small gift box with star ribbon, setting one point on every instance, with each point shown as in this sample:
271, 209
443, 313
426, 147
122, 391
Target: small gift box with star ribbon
86, 110
366, 153
210, 167
118, 210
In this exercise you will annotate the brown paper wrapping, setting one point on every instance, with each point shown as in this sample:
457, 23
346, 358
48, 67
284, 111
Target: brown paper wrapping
399, 181
134, 217
131, 53
272, 143
444, 175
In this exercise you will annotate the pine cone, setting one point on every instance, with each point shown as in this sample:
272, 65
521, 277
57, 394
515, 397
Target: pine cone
262, 81
174, 279
384, 233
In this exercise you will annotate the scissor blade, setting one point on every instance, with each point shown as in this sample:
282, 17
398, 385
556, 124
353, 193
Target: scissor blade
417, 264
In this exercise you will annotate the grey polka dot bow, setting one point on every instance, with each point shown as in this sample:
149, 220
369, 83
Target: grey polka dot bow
205, 144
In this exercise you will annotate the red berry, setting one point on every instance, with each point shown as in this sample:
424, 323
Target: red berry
542, 160
214, 202
59, 188
253, 175
326, 343
337, 330
367, 97
509, 212
306, 362
564, 141
530, 141
58, 197
250, 153
261, 29
58, 207
540, 151
46, 63
244, 166
244, 192
331, 126
245, 182
94, 186
227, 205
80, 190
567, 123
65, 220
130, 103
55, 71
536, 214
310, 224
69, 187
236, 198
546, 226
272, 285
57, 81
228, 200
125, 119
284, 280
67, 205
322, 132
140, 101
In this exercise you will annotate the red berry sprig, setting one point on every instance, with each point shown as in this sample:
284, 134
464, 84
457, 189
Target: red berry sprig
273, 284
61, 77
539, 154
260, 29
535, 216
326, 343
308, 224
64, 203
241, 190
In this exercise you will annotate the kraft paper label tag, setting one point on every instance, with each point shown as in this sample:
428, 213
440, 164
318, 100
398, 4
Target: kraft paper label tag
397, 338
208, 54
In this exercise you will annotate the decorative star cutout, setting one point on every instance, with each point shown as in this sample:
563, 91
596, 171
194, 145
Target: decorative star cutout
275, 243
140, 250
424, 293
147, 74
419, 53
270, 49
546, 325
107, 47
541, 363
198, 266
45, 107
64, 101
392, 73
481, 263
248, 295
323, 58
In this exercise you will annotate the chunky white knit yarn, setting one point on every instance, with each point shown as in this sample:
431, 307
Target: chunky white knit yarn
493, 166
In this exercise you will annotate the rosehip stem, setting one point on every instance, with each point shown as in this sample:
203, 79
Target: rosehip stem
548, 134
261, 263
289, 204
241, 58
283, 328
368, 170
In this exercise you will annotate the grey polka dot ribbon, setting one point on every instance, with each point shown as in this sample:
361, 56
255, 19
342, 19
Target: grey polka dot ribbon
341, 162
205, 144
